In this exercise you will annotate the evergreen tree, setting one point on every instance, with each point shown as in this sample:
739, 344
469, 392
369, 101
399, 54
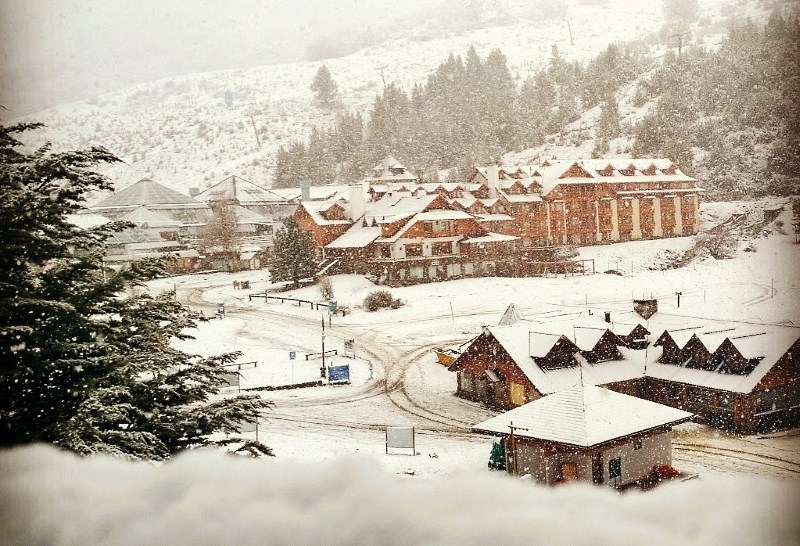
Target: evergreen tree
294, 256
220, 237
85, 357
324, 87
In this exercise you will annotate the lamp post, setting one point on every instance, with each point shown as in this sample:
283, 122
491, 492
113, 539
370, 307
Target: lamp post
322, 369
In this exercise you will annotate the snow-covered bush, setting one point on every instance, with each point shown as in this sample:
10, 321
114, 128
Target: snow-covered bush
381, 299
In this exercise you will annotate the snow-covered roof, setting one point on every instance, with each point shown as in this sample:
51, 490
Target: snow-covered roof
358, 236
316, 193
87, 219
585, 416
525, 339
552, 172
247, 216
522, 197
390, 169
491, 238
144, 192
235, 188
511, 316
145, 218
493, 217
313, 209
443, 214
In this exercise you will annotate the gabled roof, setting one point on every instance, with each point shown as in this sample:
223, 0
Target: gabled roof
145, 218
235, 188
584, 416
313, 209
247, 216
764, 343
511, 316
391, 169
145, 192
553, 172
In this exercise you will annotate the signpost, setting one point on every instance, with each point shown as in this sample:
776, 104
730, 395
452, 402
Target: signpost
339, 374
400, 438
350, 348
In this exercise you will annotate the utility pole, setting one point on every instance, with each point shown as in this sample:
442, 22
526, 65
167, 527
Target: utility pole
255, 131
679, 298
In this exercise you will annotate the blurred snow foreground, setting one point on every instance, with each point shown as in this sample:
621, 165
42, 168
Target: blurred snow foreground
53, 497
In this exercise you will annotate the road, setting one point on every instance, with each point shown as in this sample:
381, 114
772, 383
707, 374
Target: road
399, 391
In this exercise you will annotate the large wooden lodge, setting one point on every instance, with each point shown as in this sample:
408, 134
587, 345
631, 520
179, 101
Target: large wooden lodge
400, 229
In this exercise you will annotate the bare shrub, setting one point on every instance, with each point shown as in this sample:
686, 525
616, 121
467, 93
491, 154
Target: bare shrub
719, 245
325, 287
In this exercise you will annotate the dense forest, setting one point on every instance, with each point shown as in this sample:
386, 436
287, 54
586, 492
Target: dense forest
727, 115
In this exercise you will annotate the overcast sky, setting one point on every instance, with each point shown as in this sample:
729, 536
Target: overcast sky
58, 50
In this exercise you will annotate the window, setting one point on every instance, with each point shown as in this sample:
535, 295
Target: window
637, 444
413, 250
615, 468
441, 249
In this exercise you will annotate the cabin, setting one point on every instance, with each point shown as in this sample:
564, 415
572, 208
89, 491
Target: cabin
586, 433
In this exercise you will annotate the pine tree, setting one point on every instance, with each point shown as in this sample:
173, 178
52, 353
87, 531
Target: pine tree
324, 87
85, 355
294, 256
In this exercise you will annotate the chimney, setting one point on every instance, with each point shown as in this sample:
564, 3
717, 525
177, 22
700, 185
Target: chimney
305, 190
646, 308
356, 201
608, 316
493, 179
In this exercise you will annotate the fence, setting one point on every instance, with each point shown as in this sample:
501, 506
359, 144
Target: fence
312, 304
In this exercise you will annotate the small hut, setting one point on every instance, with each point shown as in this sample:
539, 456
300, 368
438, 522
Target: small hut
586, 433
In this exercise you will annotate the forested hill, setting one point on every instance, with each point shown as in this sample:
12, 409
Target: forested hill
518, 79
728, 114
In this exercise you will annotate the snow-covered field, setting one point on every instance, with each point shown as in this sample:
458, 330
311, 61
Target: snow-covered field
332, 481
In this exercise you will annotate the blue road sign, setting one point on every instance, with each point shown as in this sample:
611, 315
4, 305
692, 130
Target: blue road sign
339, 374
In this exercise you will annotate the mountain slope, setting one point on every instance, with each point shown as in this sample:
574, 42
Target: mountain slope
180, 132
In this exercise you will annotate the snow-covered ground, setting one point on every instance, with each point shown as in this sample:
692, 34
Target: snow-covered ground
212, 498
332, 481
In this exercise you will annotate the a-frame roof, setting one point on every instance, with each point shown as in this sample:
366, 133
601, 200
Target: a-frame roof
236, 188
145, 192
145, 218
583, 416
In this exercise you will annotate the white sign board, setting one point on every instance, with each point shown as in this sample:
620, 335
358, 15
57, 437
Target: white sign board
400, 438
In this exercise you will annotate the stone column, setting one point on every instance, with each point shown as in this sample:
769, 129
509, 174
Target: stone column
657, 229
549, 231
636, 232
614, 221
678, 217
597, 235
696, 213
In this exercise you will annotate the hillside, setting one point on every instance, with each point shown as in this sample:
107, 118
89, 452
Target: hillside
180, 132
